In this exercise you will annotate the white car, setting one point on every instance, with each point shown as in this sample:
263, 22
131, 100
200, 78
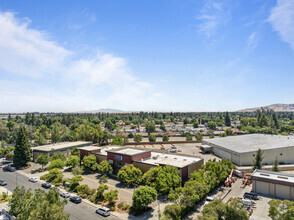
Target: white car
33, 179
65, 194
208, 200
103, 211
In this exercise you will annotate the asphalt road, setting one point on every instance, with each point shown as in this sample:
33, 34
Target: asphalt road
80, 211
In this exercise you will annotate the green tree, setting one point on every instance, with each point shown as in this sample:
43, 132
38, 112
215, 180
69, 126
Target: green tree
75, 152
130, 175
73, 161
275, 167
150, 127
143, 196
54, 176
99, 196
77, 170
42, 159
195, 124
60, 156
257, 162
103, 179
26, 205
22, 151
89, 162
58, 163
110, 196
56, 132
211, 125
75, 182
281, 210
165, 137
152, 138
227, 119
105, 167
117, 141
198, 136
138, 138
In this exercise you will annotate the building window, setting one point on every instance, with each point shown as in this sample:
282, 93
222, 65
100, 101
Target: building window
119, 163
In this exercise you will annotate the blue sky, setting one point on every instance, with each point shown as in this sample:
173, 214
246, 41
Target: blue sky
155, 55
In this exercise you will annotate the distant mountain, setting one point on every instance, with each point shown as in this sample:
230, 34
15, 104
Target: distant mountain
109, 110
275, 107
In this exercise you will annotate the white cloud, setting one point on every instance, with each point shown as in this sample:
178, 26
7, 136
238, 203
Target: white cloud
282, 20
210, 17
56, 81
252, 41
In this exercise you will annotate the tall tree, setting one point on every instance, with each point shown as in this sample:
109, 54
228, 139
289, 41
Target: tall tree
227, 119
275, 167
22, 151
42, 159
257, 162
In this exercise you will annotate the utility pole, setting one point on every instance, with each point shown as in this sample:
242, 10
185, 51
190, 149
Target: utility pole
16, 178
158, 209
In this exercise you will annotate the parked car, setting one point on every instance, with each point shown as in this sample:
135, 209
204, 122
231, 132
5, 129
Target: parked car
250, 195
10, 168
65, 195
56, 188
208, 200
3, 182
75, 199
46, 185
33, 179
103, 211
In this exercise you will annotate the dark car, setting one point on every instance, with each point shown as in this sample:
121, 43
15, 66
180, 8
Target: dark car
46, 185
3, 182
250, 195
75, 199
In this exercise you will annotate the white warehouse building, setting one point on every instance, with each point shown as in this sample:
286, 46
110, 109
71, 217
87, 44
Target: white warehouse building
241, 150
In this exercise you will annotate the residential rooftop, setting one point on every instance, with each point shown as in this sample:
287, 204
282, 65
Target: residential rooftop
170, 159
282, 177
61, 146
252, 142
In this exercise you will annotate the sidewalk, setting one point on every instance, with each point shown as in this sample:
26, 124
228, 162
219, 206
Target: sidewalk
4, 204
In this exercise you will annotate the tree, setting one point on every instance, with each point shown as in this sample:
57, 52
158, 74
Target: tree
54, 176
73, 161
229, 131
152, 138
281, 210
99, 196
227, 119
60, 156
75, 182
89, 162
165, 137
26, 205
143, 196
275, 167
117, 141
257, 162
58, 163
105, 167
75, 152
55, 132
77, 170
42, 159
22, 151
211, 125
111, 196
198, 136
195, 124
163, 179
103, 179
138, 138
130, 175
150, 127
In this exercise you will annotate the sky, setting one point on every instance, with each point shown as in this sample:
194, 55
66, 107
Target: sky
149, 55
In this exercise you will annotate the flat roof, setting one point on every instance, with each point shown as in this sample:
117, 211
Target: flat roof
252, 142
130, 151
179, 161
104, 150
89, 148
270, 175
61, 146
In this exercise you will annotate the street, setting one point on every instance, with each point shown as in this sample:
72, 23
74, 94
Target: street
77, 211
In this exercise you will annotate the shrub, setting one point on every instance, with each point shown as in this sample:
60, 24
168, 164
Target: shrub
58, 163
152, 138
165, 138
77, 170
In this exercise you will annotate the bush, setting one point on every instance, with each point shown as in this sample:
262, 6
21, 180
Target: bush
165, 138
130, 135
152, 138
77, 170
55, 176
58, 163
138, 138
222, 135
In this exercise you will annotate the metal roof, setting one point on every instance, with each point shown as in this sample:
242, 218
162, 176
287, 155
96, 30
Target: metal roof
252, 142
270, 175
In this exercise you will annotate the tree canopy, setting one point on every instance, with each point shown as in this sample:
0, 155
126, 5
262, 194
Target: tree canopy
143, 196
130, 175
22, 151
